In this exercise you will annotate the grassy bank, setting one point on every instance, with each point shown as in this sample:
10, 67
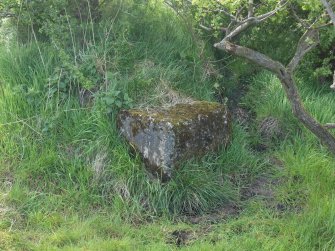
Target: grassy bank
68, 181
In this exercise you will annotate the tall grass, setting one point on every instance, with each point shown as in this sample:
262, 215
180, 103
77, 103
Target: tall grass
69, 181
274, 103
309, 169
69, 155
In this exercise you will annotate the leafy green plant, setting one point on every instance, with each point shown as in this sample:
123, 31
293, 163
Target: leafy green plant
115, 100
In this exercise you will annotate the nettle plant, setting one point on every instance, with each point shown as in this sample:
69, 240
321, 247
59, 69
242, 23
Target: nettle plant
232, 20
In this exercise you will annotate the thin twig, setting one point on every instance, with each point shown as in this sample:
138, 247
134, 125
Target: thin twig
306, 43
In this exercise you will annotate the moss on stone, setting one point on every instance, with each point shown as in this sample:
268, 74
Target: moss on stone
176, 114
177, 133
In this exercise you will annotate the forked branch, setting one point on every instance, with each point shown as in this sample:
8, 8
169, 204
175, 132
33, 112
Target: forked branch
331, 14
285, 74
251, 20
329, 10
307, 42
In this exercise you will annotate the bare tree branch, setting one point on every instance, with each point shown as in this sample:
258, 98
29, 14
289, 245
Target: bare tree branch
299, 19
331, 14
254, 56
251, 8
206, 28
329, 126
238, 13
285, 74
251, 20
306, 43
280, 5
322, 25
218, 11
329, 10
289, 86
243, 26
232, 17
225, 11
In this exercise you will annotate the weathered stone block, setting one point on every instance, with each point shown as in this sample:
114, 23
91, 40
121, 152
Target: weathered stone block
166, 137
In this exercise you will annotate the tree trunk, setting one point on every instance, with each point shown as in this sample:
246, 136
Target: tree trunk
285, 76
302, 115
331, 14
329, 10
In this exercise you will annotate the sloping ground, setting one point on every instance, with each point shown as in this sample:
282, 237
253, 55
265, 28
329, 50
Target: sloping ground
69, 182
288, 205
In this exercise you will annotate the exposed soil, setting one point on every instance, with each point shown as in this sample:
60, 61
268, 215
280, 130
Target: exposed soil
183, 237
241, 114
180, 237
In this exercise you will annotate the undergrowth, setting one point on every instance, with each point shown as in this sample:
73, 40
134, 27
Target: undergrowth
70, 182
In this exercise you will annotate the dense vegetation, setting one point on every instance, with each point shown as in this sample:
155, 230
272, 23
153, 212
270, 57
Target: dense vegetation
68, 181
